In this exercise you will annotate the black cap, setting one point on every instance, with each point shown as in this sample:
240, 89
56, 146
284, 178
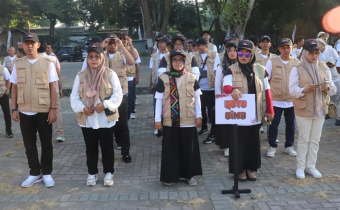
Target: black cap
168, 36
158, 37
227, 39
111, 36
189, 41
95, 39
201, 40
245, 44
122, 33
265, 37
177, 52
164, 39
95, 47
231, 42
30, 37
178, 36
285, 41
234, 36
310, 45
205, 32
254, 39
194, 43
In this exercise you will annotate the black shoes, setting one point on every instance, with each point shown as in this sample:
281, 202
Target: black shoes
9, 134
337, 122
126, 158
202, 132
209, 139
327, 117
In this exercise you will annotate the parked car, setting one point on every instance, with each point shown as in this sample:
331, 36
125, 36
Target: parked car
70, 53
85, 52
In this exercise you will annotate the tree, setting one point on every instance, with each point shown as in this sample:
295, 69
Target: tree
92, 13
148, 23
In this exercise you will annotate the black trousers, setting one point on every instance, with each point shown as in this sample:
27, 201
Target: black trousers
4, 102
122, 128
207, 100
29, 125
105, 138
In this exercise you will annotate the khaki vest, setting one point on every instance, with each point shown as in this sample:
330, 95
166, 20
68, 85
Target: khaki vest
117, 65
33, 85
188, 60
211, 46
304, 107
105, 91
130, 71
2, 81
221, 55
279, 82
186, 99
209, 64
154, 65
241, 83
9, 63
263, 61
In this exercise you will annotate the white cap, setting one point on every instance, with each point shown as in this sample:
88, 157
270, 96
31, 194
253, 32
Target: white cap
321, 33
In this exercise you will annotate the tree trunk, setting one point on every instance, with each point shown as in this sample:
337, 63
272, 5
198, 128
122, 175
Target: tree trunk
167, 11
198, 17
240, 29
53, 21
148, 24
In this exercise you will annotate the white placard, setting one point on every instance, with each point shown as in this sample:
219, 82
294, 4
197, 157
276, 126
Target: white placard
240, 112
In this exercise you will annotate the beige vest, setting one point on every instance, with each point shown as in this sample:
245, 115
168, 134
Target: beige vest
188, 60
130, 71
2, 81
211, 46
221, 55
210, 65
116, 63
279, 82
9, 63
241, 83
33, 85
263, 61
304, 107
185, 85
154, 66
105, 91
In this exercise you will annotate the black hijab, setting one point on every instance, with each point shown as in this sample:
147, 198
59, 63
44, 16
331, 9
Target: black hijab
226, 62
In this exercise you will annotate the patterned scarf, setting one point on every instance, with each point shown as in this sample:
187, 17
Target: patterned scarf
174, 96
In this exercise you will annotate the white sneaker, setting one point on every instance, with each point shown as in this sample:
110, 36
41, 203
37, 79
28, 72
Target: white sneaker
132, 116
48, 180
290, 151
92, 179
226, 152
262, 130
108, 180
271, 152
300, 173
192, 182
155, 132
31, 180
277, 141
60, 139
314, 172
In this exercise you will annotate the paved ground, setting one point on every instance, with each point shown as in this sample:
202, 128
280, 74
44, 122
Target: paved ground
137, 185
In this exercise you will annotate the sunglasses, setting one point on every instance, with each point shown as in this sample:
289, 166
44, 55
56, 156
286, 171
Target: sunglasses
241, 54
91, 57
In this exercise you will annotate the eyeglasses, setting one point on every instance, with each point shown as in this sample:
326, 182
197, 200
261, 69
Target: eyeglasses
178, 45
91, 57
314, 54
178, 60
241, 54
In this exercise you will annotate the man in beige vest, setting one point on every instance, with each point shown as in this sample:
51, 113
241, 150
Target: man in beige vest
49, 49
4, 100
209, 63
206, 36
264, 56
9, 60
278, 74
34, 80
118, 59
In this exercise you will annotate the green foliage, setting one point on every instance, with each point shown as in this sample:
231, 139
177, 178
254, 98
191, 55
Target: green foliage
92, 12
235, 10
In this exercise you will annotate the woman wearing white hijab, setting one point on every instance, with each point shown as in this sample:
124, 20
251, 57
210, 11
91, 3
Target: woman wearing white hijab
310, 85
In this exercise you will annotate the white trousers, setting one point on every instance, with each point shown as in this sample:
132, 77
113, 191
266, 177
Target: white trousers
308, 141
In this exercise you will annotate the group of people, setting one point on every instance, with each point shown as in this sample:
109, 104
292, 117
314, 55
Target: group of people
297, 84
184, 85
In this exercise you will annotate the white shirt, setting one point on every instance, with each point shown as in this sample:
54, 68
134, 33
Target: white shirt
137, 61
337, 48
296, 91
97, 120
56, 63
214, 48
161, 55
280, 104
228, 80
204, 83
52, 77
296, 52
7, 76
159, 106
330, 55
11, 58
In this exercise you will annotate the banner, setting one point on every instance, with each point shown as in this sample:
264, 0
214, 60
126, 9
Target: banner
9, 39
240, 112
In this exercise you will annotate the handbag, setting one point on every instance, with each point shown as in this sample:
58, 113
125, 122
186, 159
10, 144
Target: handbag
332, 109
265, 121
107, 111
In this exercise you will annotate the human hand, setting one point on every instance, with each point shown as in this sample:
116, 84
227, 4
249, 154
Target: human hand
270, 117
198, 122
105, 42
15, 116
236, 94
99, 108
136, 80
87, 111
309, 89
119, 43
52, 116
61, 93
158, 125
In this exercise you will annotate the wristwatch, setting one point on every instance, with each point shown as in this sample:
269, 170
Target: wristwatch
14, 110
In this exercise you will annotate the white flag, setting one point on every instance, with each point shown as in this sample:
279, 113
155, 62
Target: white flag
9, 39
139, 33
293, 34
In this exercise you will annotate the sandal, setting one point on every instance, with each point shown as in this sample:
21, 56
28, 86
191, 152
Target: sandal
242, 176
251, 175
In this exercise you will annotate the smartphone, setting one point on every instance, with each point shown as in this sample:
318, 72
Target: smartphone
322, 83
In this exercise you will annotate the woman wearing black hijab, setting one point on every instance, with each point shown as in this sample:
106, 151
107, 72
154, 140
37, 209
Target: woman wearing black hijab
228, 58
178, 101
243, 78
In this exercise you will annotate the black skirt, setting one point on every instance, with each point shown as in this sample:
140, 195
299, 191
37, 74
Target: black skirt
223, 135
249, 153
180, 154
